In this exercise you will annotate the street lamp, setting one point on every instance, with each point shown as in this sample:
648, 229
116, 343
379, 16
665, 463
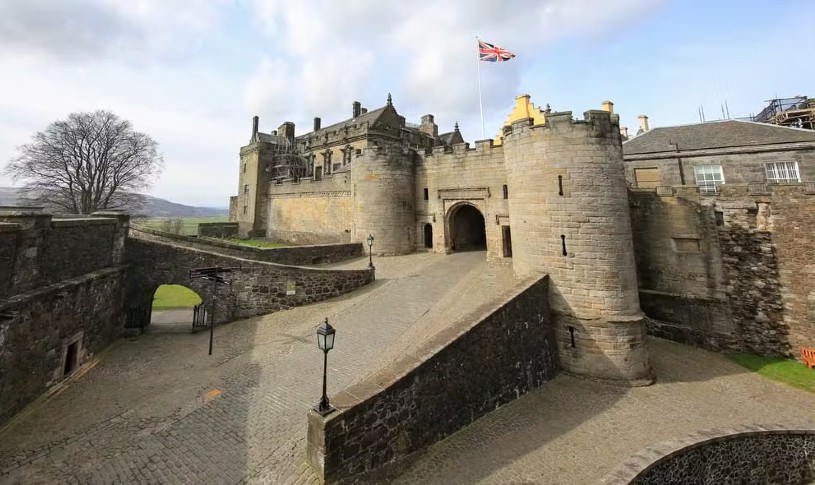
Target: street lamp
325, 341
370, 255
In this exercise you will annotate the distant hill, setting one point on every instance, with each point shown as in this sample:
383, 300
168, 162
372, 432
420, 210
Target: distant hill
154, 207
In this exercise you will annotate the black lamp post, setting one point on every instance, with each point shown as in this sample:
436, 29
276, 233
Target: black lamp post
325, 341
370, 255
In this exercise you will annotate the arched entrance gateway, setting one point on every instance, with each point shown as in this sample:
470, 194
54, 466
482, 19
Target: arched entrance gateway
467, 229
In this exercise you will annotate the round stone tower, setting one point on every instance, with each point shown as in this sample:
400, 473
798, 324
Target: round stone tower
569, 216
383, 192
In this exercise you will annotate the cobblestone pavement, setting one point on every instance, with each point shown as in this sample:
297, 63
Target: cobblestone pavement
575, 431
158, 409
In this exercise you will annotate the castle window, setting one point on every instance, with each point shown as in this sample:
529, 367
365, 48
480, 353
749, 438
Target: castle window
244, 168
245, 209
426, 194
327, 161
506, 192
708, 178
246, 189
782, 172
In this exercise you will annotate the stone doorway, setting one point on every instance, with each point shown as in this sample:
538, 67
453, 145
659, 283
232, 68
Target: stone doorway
467, 229
428, 235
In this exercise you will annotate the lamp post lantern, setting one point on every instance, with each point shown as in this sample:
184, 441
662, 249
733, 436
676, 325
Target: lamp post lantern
325, 341
370, 254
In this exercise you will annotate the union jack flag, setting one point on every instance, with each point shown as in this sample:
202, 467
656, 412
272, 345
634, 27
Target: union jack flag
490, 53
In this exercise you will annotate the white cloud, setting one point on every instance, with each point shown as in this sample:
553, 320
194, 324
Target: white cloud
191, 73
424, 51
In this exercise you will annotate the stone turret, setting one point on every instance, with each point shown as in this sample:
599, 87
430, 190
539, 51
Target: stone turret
383, 192
569, 209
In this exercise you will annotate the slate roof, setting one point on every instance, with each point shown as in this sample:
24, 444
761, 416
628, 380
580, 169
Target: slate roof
370, 116
719, 134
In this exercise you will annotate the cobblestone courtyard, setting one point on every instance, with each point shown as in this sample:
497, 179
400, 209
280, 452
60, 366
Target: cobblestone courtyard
158, 409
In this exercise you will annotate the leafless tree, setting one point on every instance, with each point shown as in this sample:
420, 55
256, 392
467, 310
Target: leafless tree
89, 162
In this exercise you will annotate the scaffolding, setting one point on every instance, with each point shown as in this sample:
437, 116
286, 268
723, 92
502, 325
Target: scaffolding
797, 112
287, 164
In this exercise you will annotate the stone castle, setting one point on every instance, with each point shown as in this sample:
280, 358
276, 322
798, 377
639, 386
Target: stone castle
619, 225
551, 198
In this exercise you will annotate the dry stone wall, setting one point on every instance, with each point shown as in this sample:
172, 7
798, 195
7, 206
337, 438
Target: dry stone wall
478, 367
752, 455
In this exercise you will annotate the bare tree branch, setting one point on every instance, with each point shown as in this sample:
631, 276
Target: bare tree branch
89, 162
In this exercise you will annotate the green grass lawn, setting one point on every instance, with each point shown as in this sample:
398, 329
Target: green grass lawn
256, 243
787, 371
189, 224
168, 297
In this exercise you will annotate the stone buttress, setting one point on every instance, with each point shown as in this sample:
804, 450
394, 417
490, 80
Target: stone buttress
570, 218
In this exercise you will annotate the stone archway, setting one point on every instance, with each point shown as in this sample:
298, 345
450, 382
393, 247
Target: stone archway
468, 231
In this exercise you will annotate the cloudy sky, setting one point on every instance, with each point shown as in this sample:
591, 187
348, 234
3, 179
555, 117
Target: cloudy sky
192, 73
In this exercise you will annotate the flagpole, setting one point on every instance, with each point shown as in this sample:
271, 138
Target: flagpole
480, 104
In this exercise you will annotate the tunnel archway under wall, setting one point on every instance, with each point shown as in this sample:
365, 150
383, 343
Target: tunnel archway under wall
467, 228
177, 308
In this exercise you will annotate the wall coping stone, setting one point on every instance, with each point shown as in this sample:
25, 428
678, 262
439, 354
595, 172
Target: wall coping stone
220, 243
236, 258
643, 461
89, 221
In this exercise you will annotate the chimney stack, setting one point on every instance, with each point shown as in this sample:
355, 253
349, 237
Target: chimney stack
643, 123
356, 109
317, 123
255, 122
624, 132
608, 106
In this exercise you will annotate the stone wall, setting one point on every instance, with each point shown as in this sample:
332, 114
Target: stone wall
37, 250
291, 255
569, 201
256, 288
383, 179
36, 328
468, 370
77, 246
731, 271
311, 211
749, 455
460, 174
218, 229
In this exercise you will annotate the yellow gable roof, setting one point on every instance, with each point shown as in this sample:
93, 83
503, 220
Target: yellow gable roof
523, 109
